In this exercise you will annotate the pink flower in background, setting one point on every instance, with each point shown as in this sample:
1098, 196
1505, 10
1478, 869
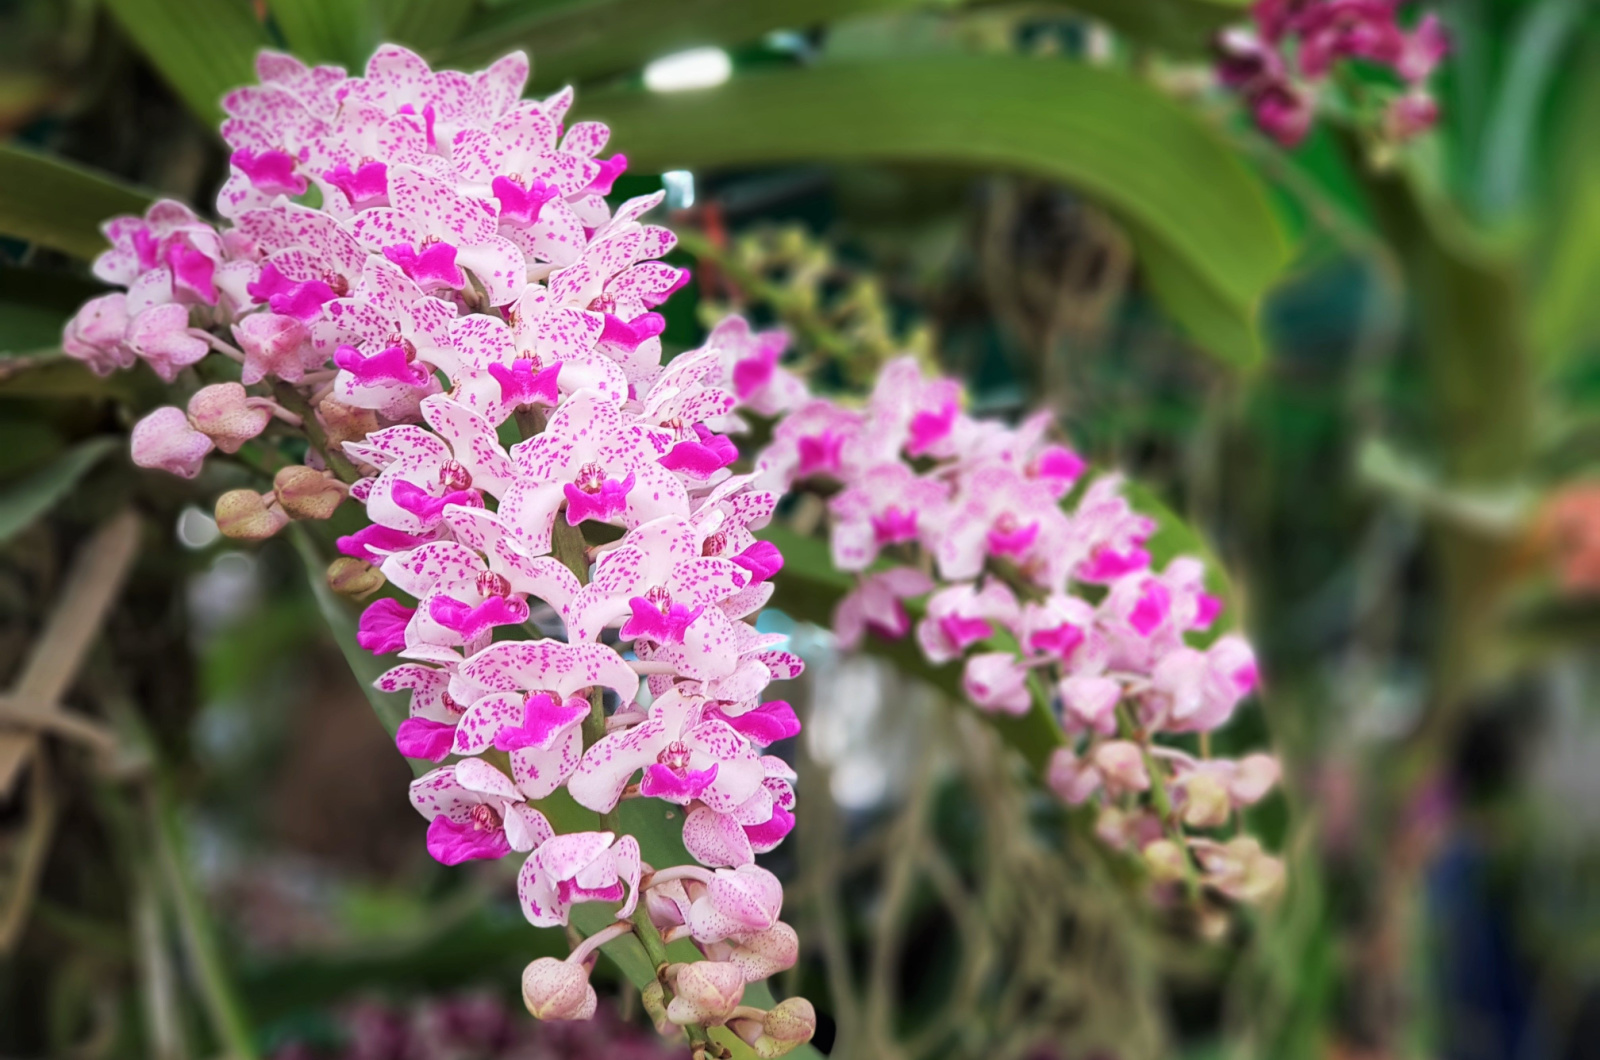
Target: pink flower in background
1279, 66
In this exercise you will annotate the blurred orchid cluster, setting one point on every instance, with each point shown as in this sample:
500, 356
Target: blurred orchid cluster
1036, 577
1286, 66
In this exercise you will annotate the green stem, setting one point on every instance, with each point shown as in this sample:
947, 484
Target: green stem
296, 402
199, 936
1161, 800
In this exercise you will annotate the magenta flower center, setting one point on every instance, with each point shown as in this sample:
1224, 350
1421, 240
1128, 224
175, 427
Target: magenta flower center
453, 475
492, 584
591, 478
675, 756
659, 598
484, 818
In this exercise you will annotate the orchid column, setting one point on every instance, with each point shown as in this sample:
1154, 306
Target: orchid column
416, 266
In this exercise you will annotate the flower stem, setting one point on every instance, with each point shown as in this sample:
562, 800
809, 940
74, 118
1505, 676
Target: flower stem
1161, 800
295, 402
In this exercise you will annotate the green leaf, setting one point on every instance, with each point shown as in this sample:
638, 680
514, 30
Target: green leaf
592, 38
34, 305
1217, 327
1150, 160
30, 499
202, 48
327, 31
340, 616
426, 25
1565, 315
1182, 27
60, 205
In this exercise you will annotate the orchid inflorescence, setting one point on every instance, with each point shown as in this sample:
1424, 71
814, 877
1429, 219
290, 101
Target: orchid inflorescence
420, 274
417, 262
1047, 607
1282, 65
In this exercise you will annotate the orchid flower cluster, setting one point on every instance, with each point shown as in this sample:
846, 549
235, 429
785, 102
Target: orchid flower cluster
416, 265
1046, 607
1282, 65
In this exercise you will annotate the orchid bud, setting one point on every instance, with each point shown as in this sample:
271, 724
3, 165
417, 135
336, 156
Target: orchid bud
345, 423
223, 412
272, 345
706, 992
166, 440
95, 334
766, 952
997, 681
557, 990
737, 902
354, 578
1071, 778
247, 515
1240, 869
1205, 800
789, 1024
1253, 778
1121, 762
1166, 860
1091, 702
306, 493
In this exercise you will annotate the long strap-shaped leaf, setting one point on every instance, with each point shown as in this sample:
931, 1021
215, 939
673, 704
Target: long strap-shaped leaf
327, 31
1152, 161
59, 205
577, 41
202, 48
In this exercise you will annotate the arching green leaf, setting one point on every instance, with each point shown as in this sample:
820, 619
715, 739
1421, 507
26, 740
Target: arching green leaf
60, 205
1150, 160
202, 48
576, 41
23, 502
327, 31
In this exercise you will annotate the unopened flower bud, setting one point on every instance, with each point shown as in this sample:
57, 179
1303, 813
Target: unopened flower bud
766, 952
306, 493
737, 901
557, 990
1121, 763
1253, 778
706, 992
354, 578
1240, 869
1166, 860
272, 345
345, 423
1071, 778
1205, 800
247, 516
789, 1024
222, 412
165, 439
